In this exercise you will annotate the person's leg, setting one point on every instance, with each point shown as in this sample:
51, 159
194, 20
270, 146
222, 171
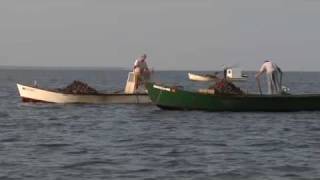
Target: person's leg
137, 72
269, 82
276, 82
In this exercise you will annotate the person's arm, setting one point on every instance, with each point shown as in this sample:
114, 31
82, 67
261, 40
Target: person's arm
280, 71
259, 74
144, 66
261, 71
147, 68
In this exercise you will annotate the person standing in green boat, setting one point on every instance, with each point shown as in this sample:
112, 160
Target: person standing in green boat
274, 76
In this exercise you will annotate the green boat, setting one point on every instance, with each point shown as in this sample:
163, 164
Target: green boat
172, 98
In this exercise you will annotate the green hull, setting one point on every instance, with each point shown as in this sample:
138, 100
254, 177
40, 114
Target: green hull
171, 98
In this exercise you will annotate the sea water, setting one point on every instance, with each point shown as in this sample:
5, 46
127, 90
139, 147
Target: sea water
53, 141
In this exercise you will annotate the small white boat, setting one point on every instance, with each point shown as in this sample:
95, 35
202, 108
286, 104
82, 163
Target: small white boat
203, 78
35, 94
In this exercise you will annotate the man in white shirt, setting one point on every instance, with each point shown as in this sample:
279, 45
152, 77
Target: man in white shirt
141, 69
274, 76
140, 65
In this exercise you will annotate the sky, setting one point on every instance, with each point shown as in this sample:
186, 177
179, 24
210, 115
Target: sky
175, 34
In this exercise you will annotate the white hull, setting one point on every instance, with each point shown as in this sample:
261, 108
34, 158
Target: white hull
32, 94
196, 77
203, 78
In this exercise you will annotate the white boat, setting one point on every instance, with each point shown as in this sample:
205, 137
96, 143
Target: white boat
203, 78
36, 94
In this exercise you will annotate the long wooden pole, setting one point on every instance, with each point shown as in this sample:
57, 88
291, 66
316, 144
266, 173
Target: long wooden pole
259, 86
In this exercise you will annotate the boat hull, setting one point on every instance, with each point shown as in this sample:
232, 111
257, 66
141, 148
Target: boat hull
33, 94
175, 99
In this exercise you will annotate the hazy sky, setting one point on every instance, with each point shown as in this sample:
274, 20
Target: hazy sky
176, 34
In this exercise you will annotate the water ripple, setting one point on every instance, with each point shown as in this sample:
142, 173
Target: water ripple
4, 115
11, 139
53, 145
292, 168
89, 163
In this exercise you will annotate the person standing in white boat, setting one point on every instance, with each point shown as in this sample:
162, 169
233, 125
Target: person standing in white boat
141, 70
274, 76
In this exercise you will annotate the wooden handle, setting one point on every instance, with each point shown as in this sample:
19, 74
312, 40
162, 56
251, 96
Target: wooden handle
259, 86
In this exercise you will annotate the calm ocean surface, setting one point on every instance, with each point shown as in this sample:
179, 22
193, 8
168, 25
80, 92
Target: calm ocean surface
49, 141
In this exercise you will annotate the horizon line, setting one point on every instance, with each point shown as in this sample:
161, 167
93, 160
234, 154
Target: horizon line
23, 67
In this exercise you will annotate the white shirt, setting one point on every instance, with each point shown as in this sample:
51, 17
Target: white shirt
141, 64
136, 63
268, 67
